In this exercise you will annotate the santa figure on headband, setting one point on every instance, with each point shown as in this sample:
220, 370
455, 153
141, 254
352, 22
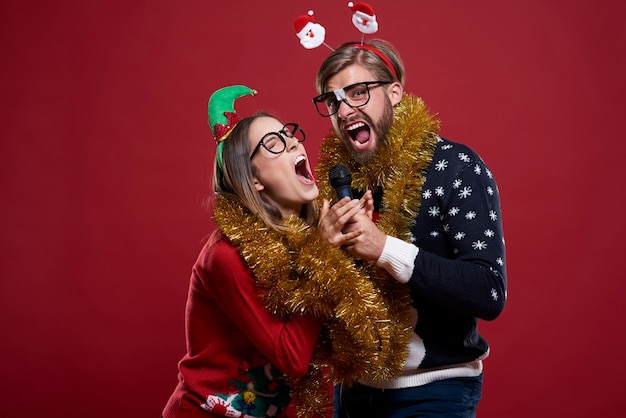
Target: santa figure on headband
364, 18
311, 34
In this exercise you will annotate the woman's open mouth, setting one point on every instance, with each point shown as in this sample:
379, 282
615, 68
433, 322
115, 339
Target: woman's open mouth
303, 171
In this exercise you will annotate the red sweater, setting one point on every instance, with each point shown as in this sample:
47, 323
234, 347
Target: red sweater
236, 348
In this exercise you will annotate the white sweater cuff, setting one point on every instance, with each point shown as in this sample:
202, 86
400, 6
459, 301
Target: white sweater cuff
398, 258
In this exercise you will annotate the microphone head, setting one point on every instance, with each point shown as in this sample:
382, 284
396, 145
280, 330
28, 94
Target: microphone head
340, 176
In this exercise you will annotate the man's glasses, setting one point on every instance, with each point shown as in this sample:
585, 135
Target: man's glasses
354, 95
275, 142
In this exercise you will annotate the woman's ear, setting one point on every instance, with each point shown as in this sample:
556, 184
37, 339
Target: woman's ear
395, 93
258, 185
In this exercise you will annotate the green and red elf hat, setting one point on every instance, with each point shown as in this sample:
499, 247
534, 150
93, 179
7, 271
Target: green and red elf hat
222, 116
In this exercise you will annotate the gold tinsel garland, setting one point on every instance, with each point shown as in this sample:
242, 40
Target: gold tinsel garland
367, 320
364, 336
399, 169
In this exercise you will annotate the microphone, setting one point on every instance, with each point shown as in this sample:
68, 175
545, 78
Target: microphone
341, 180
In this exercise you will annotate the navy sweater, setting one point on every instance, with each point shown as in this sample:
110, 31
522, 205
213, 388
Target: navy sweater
459, 274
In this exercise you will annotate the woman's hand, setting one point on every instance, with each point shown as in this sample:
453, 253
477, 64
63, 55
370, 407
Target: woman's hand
358, 235
333, 220
334, 223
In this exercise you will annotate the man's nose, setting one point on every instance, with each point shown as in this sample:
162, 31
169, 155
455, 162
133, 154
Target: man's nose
344, 109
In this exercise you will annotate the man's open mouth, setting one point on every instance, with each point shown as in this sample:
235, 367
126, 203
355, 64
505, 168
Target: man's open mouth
359, 132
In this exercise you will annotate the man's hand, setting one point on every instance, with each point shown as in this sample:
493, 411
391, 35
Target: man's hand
369, 243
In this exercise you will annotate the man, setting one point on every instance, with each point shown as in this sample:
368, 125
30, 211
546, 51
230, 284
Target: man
436, 229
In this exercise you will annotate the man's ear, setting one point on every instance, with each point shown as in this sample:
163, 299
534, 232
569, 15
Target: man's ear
395, 93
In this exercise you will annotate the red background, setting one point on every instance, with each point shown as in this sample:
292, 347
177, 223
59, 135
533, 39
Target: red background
105, 163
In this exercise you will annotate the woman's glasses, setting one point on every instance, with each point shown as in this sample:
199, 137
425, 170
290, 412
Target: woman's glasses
276, 142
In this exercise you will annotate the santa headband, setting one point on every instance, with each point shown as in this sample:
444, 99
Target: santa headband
380, 55
312, 34
222, 116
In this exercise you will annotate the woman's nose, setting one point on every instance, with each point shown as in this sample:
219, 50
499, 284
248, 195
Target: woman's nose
292, 142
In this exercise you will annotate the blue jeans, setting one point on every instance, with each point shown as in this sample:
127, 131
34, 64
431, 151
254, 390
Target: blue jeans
456, 397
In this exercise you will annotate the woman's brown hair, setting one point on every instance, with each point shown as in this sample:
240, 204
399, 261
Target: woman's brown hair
235, 179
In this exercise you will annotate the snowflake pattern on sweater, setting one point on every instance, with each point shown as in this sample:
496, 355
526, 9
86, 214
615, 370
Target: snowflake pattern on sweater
458, 199
459, 274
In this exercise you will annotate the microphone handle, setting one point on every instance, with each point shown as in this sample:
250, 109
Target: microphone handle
343, 191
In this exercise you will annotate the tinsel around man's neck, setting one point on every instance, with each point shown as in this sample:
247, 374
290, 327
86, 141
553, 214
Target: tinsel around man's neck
398, 167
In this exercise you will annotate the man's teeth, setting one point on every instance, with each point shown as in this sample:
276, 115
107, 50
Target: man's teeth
299, 159
355, 126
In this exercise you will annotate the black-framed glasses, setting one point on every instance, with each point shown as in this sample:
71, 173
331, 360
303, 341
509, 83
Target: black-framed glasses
276, 142
355, 95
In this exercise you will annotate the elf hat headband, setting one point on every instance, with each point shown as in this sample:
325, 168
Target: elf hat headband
222, 116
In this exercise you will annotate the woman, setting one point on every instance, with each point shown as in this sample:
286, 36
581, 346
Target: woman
237, 350
265, 290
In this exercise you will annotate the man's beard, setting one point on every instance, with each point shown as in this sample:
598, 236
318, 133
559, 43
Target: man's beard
380, 129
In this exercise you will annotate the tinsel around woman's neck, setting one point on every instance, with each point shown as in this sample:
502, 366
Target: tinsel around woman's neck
366, 327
